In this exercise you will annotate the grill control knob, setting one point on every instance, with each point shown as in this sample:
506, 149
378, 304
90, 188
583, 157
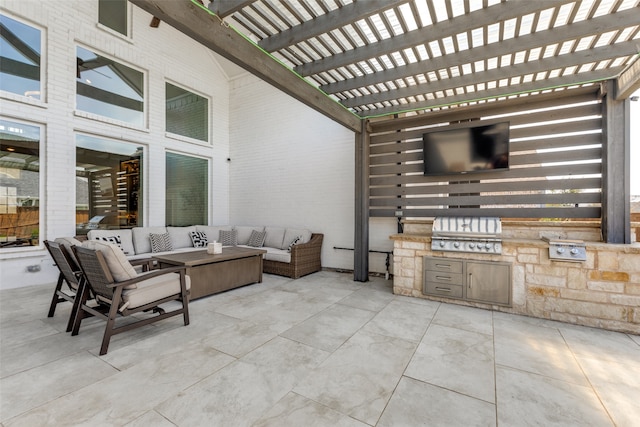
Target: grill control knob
472, 245
488, 246
560, 250
442, 243
573, 251
456, 244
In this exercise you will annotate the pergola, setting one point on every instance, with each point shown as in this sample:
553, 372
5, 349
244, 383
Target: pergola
356, 61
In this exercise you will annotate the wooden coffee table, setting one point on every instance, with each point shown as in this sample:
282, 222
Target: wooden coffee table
210, 274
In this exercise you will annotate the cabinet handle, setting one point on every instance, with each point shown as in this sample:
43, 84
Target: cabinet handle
443, 289
470, 280
444, 266
443, 278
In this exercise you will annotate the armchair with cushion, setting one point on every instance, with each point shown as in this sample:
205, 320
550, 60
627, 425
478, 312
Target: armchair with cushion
120, 291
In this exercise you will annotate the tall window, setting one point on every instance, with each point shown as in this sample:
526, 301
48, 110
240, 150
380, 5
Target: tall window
20, 51
113, 14
187, 190
187, 114
108, 184
19, 184
108, 88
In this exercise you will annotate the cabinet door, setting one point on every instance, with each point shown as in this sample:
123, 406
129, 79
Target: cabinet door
489, 282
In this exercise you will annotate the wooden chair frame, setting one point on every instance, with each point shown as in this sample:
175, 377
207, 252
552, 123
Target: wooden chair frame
108, 292
70, 274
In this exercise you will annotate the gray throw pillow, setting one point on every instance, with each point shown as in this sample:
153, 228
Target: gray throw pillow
160, 242
229, 238
257, 238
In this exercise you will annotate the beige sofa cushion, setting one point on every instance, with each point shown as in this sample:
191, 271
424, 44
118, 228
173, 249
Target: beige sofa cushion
213, 231
125, 235
291, 233
281, 255
244, 232
141, 241
121, 269
275, 237
180, 237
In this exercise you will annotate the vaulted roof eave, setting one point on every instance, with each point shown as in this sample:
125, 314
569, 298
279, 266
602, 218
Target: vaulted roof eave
198, 23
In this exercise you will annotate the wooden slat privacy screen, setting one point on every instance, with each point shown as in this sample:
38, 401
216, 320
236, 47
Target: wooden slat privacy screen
555, 162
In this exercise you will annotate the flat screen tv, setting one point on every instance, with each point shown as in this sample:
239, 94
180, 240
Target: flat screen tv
468, 148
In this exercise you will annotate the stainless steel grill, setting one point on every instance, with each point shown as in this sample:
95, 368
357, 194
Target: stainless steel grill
467, 234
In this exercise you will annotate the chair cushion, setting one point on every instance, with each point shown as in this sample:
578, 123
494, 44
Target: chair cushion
256, 239
124, 236
141, 241
274, 238
229, 238
160, 242
291, 233
180, 237
198, 239
121, 269
153, 289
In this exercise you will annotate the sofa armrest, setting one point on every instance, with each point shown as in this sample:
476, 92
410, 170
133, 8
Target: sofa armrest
307, 253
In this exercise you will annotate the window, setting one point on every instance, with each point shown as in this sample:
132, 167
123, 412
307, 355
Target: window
187, 114
108, 184
110, 89
113, 14
187, 190
20, 51
19, 184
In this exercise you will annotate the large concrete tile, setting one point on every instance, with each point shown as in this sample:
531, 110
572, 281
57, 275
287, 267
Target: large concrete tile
601, 344
150, 419
368, 299
242, 392
536, 349
29, 389
296, 410
129, 394
415, 403
467, 318
19, 333
330, 328
526, 399
359, 378
400, 319
455, 359
618, 386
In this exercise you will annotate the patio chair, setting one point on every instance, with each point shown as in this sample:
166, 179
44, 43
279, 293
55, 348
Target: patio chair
69, 273
131, 293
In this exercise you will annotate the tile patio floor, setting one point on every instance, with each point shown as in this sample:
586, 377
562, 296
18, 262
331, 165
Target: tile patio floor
318, 351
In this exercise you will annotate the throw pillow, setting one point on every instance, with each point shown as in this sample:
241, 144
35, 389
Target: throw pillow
160, 242
257, 238
229, 237
114, 240
294, 242
199, 239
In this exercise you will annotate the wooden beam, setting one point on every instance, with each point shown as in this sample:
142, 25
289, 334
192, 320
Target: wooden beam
438, 31
204, 27
361, 232
337, 18
629, 80
616, 142
224, 8
509, 72
603, 24
535, 86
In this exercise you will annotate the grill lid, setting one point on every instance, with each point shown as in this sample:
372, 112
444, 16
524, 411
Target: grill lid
467, 227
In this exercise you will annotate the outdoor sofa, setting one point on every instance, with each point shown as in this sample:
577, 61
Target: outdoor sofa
291, 252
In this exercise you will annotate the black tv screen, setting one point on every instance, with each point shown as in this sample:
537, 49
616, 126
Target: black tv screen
467, 148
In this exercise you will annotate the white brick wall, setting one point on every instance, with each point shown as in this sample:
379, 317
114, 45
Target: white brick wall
163, 54
289, 164
292, 166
